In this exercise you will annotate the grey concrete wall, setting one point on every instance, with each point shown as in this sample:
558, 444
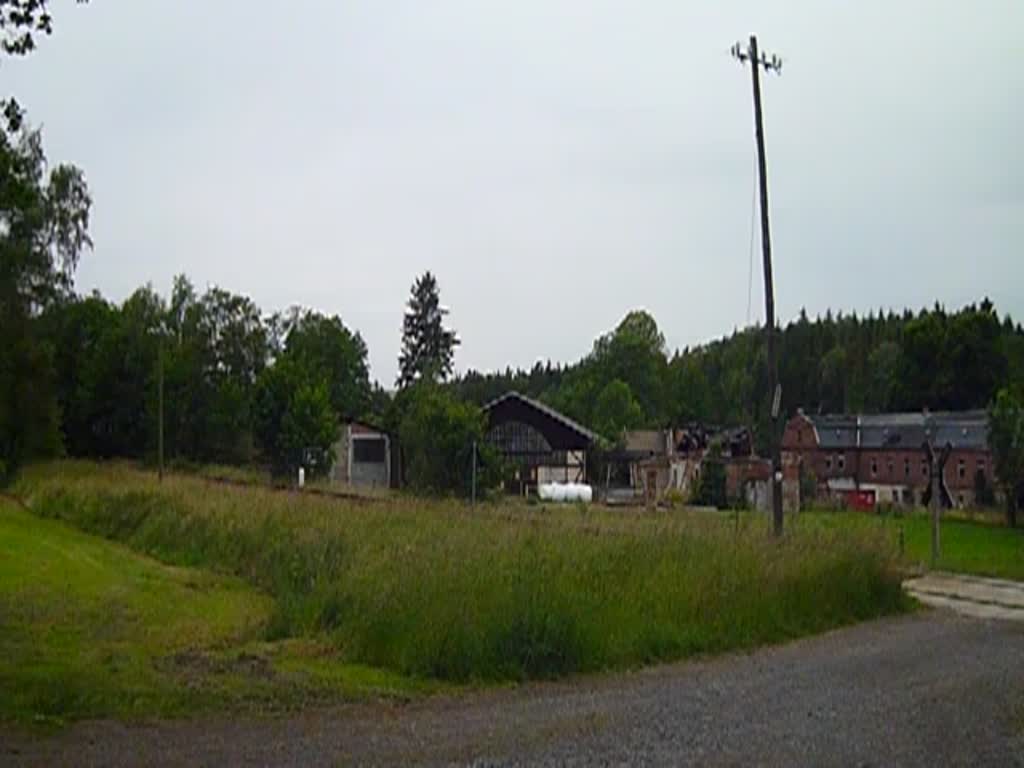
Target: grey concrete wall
339, 472
347, 471
373, 474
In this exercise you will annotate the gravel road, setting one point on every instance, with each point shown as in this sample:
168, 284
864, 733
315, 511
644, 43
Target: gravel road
928, 689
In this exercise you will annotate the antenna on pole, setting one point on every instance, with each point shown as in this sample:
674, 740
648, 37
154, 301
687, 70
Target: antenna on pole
760, 60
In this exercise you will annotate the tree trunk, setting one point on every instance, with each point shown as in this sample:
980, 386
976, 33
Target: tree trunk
1011, 506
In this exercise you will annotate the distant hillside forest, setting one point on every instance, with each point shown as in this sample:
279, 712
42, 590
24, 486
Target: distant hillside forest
933, 359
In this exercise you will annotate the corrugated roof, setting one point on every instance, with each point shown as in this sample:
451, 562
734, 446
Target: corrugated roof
961, 429
835, 431
546, 410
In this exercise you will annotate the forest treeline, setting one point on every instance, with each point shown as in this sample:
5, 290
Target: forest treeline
883, 361
242, 385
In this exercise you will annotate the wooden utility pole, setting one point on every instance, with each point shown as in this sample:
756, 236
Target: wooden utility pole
773, 64
473, 491
936, 469
160, 408
936, 491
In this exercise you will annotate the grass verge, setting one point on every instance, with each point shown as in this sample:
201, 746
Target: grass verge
979, 547
439, 590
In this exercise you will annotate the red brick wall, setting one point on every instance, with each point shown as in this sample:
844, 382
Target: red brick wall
971, 462
738, 472
890, 468
817, 461
799, 434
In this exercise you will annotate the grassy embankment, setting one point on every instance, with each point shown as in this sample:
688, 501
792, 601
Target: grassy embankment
437, 590
90, 628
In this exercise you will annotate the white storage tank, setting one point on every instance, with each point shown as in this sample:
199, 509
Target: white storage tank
569, 492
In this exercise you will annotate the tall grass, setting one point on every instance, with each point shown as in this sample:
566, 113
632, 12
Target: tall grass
493, 593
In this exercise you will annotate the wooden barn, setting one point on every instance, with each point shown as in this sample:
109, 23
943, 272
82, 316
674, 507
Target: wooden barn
542, 444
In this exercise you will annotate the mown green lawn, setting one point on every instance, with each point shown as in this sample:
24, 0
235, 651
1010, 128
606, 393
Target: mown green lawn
88, 628
980, 547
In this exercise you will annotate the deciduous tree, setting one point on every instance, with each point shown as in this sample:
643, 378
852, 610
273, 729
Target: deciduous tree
330, 351
1006, 440
294, 421
437, 435
44, 219
616, 410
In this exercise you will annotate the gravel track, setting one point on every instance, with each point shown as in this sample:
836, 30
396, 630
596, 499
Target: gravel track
927, 689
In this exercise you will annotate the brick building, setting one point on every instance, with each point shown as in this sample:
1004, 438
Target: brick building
870, 459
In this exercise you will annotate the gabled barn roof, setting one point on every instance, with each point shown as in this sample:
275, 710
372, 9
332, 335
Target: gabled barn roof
561, 432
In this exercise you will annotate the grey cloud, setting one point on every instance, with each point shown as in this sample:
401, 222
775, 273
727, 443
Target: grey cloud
555, 163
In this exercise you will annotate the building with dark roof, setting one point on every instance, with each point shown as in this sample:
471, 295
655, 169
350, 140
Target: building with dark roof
542, 444
882, 457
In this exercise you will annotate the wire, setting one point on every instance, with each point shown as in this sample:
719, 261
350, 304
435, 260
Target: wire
753, 217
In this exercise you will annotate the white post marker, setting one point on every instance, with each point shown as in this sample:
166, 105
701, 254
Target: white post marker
302, 477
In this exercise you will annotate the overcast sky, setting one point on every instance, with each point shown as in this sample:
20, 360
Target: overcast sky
554, 163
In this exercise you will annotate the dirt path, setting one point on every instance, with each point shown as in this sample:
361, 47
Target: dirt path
934, 688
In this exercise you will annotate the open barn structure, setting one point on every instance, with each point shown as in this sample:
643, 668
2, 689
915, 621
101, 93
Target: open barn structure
541, 444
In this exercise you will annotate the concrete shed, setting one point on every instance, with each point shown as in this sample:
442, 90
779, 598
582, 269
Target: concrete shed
363, 457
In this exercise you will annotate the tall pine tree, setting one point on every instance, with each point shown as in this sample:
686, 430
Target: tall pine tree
428, 348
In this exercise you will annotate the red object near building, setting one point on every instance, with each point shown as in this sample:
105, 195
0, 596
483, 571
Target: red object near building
863, 500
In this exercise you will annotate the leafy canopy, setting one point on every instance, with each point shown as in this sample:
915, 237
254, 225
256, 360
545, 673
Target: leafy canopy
438, 433
1006, 439
21, 21
44, 220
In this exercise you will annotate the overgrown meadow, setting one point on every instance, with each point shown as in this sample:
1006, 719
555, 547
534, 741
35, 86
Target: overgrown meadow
497, 592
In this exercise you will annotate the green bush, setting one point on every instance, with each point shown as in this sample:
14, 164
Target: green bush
808, 486
438, 433
674, 498
710, 491
984, 495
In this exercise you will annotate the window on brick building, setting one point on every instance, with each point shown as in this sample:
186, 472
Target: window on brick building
841, 462
874, 467
906, 467
889, 467
961, 469
981, 466
828, 463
